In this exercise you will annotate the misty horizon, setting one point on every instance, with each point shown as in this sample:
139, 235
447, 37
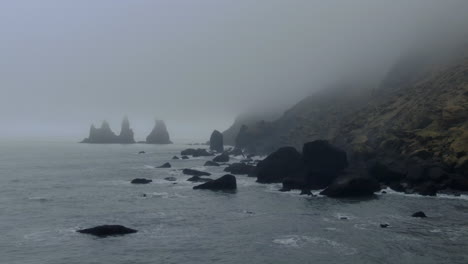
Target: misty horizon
195, 64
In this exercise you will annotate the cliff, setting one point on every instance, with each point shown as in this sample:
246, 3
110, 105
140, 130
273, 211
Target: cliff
159, 134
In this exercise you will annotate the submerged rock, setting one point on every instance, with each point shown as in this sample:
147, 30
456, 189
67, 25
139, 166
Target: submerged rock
222, 158
384, 225
239, 169
227, 182
195, 152
211, 164
141, 152
195, 172
216, 141
140, 181
159, 135
165, 165
108, 230
172, 179
419, 214
198, 179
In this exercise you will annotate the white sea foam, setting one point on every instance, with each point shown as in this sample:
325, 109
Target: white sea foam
438, 196
323, 244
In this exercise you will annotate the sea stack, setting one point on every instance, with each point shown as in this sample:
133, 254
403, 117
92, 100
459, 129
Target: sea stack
159, 135
126, 133
216, 141
105, 135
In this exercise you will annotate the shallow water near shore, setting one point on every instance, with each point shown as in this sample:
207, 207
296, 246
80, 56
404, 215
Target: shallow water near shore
49, 190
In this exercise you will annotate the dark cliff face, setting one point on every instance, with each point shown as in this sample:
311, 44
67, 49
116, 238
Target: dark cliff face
159, 135
105, 135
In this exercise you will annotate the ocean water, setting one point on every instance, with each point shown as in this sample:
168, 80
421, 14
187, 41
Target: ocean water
49, 190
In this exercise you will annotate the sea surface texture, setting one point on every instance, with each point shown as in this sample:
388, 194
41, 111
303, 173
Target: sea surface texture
50, 190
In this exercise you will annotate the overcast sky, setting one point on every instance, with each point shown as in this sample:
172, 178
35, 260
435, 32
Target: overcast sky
195, 63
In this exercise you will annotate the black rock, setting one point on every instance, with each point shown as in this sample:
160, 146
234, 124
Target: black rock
419, 214
416, 173
239, 169
222, 158
459, 182
159, 134
352, 184
306, 192
227, 182
195, 172
235, 152
384, 225
195, 152
386, 174
175, 158
171, 179
324, 163
108, 230
165, 165
216, 141
279, 165
140, 181
184, 157
294, 184
211, 163
198, 179
141, 152
427, 189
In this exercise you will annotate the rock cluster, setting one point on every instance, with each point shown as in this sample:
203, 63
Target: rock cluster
105, 135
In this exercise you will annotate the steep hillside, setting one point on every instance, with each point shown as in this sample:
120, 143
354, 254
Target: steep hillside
419, 111
427, 119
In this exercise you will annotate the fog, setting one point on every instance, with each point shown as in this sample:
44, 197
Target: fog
196, 64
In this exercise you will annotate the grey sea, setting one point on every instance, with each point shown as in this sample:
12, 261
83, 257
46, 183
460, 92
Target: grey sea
48, 190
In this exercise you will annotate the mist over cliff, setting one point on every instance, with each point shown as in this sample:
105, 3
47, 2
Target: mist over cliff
196, 64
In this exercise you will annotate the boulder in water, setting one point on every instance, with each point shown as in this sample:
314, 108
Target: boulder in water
184, 157
165, 165
419, 214
240, 169
227, 182
222, 158
281, 164
141, 152
211, 164
352, 184
216, 141
175, 158
172, 179
195, 152
323, 162
198, 179
108, 230
192, 172
140, 181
